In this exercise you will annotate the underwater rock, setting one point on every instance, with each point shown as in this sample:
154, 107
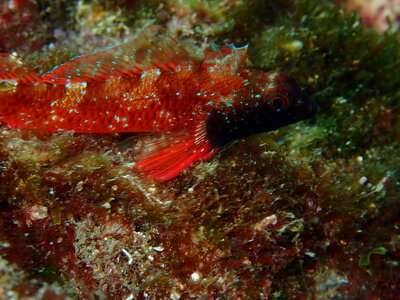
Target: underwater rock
296, 213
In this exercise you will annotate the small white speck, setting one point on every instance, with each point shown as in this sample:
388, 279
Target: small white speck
175, 295
195, 276
37, 212
363, 180
106, 205
130, 259
130, 297
158, 249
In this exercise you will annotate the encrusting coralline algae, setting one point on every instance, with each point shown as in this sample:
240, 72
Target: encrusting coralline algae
309, 210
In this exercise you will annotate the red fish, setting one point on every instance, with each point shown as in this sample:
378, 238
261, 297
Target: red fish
151, 85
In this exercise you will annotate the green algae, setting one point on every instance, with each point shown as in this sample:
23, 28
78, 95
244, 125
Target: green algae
365, 259
348, 69
246, 222
351, 72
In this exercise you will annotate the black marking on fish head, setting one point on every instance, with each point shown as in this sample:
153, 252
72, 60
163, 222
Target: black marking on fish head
288, 102
269, 101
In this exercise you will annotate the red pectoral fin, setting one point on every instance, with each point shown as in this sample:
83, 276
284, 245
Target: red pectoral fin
165, 156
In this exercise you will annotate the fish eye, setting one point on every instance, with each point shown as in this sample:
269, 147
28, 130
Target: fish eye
279, 102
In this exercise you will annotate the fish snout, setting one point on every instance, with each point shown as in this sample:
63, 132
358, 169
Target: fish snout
313, 108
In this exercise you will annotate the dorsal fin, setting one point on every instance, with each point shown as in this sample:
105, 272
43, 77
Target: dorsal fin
152, 49
165, 156
226, 58
12, 68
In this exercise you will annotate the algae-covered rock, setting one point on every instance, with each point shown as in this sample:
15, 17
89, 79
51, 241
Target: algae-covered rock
285, 214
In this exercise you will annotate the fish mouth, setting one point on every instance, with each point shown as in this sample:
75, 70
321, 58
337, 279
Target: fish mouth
309, 111
313, 108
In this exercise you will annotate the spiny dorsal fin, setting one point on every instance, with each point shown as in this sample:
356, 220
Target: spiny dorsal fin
152, 49
12, 68
226, 58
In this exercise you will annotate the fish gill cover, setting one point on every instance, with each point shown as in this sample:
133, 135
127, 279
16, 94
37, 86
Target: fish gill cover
308, 210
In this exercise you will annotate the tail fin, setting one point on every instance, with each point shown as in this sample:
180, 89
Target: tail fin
11, 68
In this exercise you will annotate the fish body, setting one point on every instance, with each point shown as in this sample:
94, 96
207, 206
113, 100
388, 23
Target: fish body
151, 85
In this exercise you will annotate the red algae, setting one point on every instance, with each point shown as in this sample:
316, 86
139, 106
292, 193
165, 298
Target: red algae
288, 214
14, 34
105, 243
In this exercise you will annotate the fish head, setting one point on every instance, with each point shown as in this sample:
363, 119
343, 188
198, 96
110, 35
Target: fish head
266, 102
283, 98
